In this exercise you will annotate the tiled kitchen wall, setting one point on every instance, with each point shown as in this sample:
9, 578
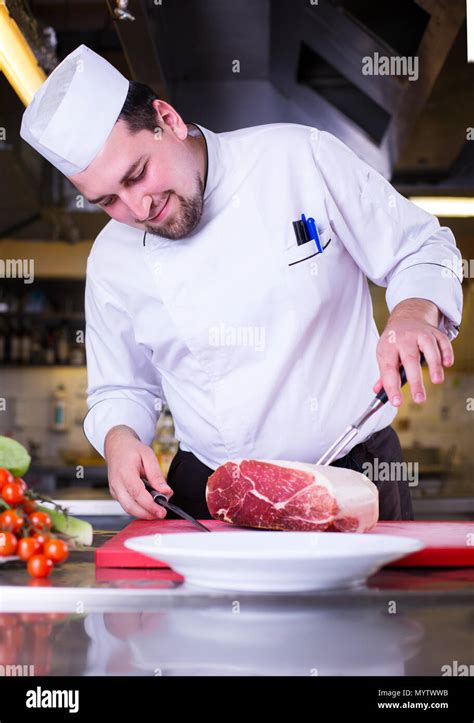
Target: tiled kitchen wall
29, 408
445, 422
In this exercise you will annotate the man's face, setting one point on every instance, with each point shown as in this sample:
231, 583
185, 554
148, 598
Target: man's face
135, 177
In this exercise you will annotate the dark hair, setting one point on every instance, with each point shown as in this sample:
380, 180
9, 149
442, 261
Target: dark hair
137, 111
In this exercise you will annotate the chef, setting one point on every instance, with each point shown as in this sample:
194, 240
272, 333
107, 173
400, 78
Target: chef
205, 290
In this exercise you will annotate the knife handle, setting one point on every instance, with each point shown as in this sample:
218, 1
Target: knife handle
162, 500
157, 496
382, 395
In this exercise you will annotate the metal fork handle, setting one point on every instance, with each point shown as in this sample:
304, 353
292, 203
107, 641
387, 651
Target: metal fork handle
377, 403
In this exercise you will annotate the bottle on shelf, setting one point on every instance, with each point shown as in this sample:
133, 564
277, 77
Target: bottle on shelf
59, 421
165, 444
25, 345
49, 349
76, 355
62, 345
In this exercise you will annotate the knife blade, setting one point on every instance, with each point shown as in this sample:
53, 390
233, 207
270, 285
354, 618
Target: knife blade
162, 500
377, 403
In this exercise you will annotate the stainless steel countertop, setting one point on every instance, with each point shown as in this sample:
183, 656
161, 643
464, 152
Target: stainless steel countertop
406, 621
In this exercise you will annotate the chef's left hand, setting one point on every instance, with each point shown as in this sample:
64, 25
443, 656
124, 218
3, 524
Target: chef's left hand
412, 328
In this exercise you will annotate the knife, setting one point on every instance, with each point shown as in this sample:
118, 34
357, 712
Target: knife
378, 401
162, 500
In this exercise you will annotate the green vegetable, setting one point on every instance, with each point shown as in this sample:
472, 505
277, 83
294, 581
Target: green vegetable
80, 530
13, 456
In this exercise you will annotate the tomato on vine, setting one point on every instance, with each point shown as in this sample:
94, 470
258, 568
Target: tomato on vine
12, 493
6, 477
39, 566
42, 538
29, 506
21, 483
11, 521
40, 520
57, 550
8, 544
27, 547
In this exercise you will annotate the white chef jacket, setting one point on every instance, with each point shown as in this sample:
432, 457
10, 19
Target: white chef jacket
260, 347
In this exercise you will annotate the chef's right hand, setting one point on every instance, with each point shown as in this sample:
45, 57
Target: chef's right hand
128, 459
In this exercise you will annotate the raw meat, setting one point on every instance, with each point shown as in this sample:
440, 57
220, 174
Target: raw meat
281, 495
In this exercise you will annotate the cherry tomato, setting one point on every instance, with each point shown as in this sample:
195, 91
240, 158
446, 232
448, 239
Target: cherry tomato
29, 505
12, 493
8, 543
21, 482
39, 566
56, 550
27, 547
42, 537
11, 521
40, 521
6, 477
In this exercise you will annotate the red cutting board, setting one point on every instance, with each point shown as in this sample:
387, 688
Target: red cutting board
113, 553
447, 544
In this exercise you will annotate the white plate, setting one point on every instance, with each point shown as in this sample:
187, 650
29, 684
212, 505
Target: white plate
273, 561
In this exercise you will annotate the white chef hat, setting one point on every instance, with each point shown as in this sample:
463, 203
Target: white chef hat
74, 111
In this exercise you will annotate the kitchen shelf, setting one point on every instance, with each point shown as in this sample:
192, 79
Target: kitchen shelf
42, 366
45, 315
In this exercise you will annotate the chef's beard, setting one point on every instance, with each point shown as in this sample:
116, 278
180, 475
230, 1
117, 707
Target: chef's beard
183, 221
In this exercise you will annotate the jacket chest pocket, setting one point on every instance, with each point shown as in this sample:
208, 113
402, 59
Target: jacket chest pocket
309, 270
296, 255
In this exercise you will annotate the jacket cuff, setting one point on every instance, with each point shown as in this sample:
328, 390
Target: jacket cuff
434, 282
108, 413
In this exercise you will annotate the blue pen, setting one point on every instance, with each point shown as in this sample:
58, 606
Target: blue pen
313, 231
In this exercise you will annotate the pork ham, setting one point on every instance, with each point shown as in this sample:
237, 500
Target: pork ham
280, 495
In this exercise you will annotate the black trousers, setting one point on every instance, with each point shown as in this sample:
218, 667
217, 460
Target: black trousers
187, 477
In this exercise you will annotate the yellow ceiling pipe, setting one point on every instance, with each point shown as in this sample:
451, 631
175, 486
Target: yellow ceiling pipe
17, 60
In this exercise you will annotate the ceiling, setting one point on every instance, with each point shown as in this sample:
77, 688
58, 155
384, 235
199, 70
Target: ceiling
228, 64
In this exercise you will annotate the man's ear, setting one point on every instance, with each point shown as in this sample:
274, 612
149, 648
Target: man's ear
169, 118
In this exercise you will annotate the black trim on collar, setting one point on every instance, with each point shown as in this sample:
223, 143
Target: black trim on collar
207, 156
207, 162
